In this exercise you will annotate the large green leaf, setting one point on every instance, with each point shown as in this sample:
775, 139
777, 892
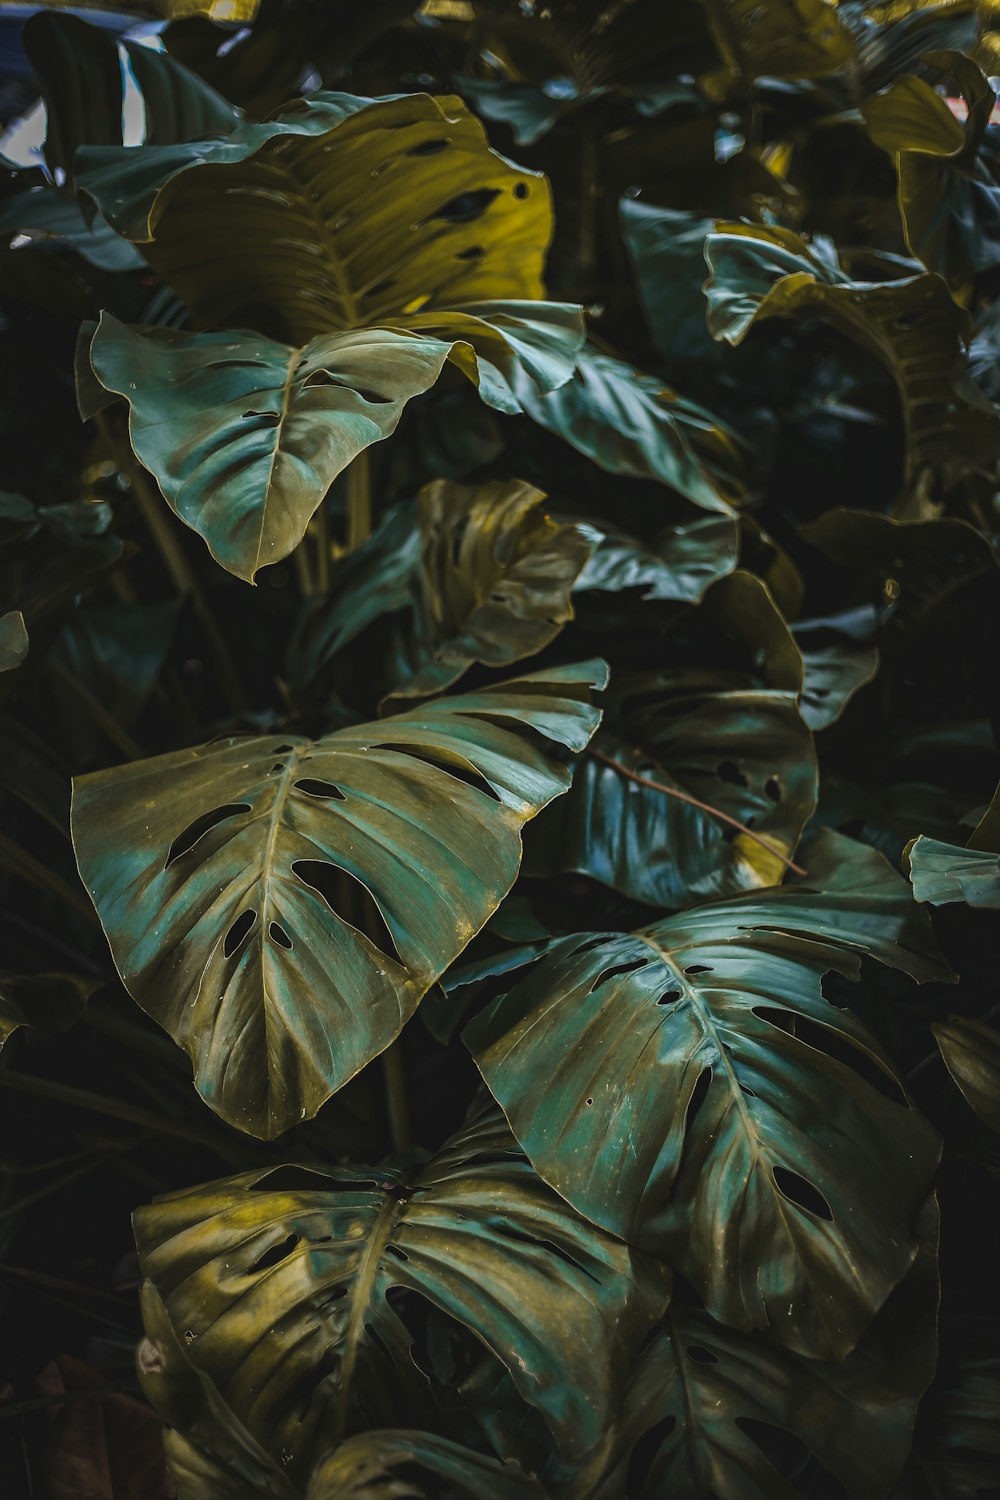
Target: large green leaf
215, 874
782, 39
717, 1404
709, 736
971, 1051
495, 579
341, 213
948, 199
280, 1283
912, 326
690, 1086
630, 423
245, 435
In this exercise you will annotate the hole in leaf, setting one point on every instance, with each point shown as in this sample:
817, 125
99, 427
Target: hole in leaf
801, 1192
698, 1096
619, 969
376, 1338
521, 190
729, 772
471, 252
785, 1451
466, 206
315, 788
509, 1232
457, 538
349, 899
772, 789
274, 1256
278, 935
394, 1250
699, 969
668, 997
701, 1355
428, 148
837, 1046
645, 1454
588, 1101
185, 842
239, 932
467, 774
378, 289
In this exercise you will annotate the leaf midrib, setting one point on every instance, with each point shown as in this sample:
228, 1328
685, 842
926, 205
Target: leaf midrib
359, 1298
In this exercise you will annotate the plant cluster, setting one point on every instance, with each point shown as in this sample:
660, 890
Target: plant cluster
499, 721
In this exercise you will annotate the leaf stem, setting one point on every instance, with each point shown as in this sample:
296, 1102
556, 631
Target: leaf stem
396, 1097
106, 722
359, 501
715, 812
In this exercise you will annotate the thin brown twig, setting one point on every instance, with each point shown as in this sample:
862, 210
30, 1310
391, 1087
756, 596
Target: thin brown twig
715, 812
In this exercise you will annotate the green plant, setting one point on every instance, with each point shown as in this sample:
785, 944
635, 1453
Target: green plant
520, 614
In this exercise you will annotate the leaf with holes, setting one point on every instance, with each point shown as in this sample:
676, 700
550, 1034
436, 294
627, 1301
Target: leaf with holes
971, 1051
690, 1087
722, 1413
244, 435
912, 326
290, 1287
341, 213
680, 563
494, 581
232, 879
737, 752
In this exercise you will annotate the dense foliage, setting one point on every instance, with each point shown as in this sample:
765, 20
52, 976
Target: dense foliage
515, 596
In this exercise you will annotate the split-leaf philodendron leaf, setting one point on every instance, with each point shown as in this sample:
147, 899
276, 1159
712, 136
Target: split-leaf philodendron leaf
278, 1284
714, 1025
225, 878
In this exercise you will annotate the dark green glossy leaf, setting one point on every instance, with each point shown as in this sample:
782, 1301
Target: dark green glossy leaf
631, 424
739, 750
53, 217
667, 250
942, 873
225, 875
971, 1050
690, 1086
680, 563
277, 1282
722, 1402
912, 326
838, 660
494, 582
13, 640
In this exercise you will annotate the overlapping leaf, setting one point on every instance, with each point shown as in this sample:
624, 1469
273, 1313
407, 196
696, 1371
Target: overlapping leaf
790, 39
215, 873
277, 1283
971, 1051
690, 1087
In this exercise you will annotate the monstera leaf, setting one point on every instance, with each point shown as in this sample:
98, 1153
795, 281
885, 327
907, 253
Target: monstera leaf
13, 640
215, 874
971, 1051
716, 1404
912, 326
283, 1287
944, 872
948, 199
734, 749
495, 578
690, 1087
790, 39
630, 423
838, 660
245, 435
306, 214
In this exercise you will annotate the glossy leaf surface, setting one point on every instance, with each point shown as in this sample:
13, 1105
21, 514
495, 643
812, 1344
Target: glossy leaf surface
224, 878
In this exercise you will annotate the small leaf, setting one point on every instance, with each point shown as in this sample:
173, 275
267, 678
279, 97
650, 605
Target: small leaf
971, 1051
681, 563
44, 1004
13, 640
942, 873
227, 878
